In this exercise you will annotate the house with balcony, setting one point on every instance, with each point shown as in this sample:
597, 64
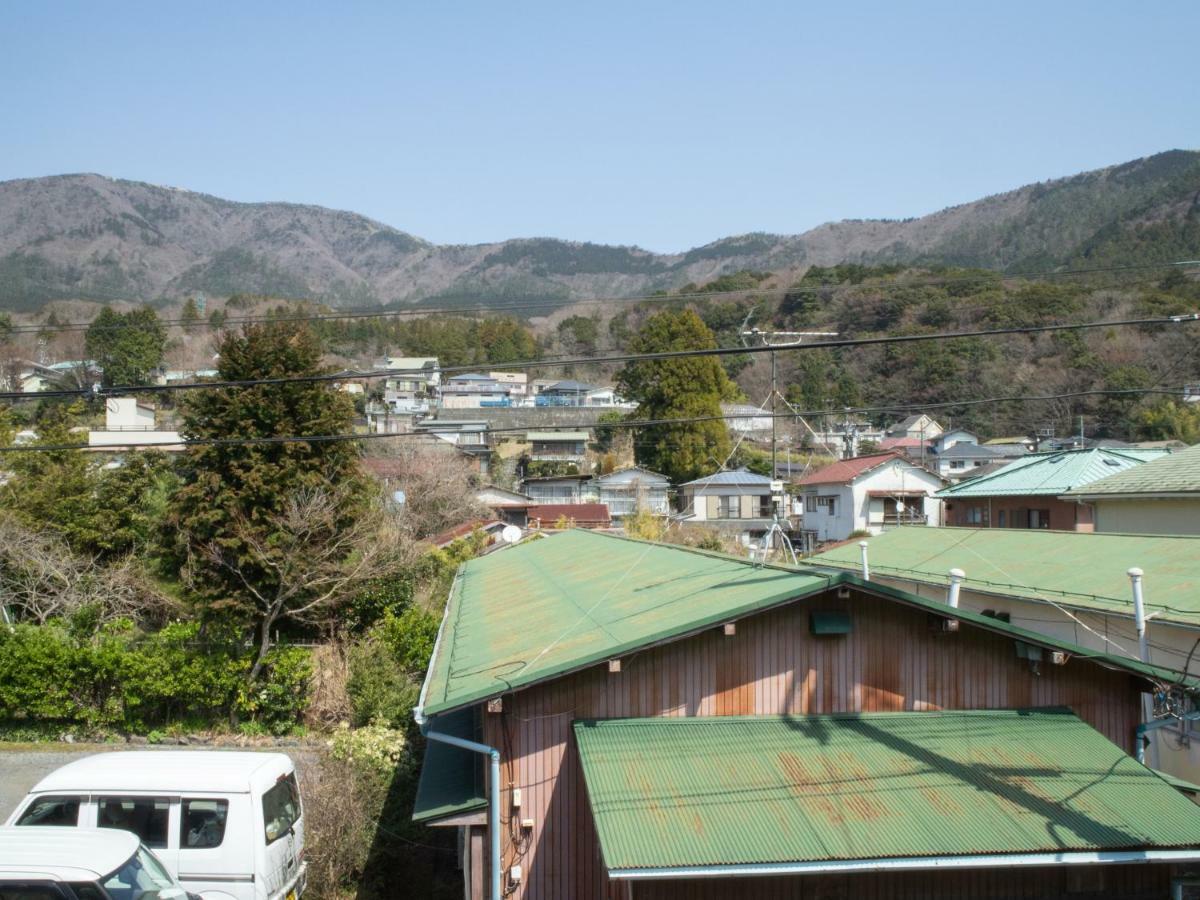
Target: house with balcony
560, 489
868, 494
739, 502
473, 390
962, 459
627, 490
557, 446
575, 393
415, 384
1028, 492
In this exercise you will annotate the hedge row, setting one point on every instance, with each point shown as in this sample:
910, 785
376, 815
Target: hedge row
126, 680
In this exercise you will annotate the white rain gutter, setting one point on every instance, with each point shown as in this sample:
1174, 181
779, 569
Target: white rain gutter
866, 568
896, 864
491, 752
1139, 623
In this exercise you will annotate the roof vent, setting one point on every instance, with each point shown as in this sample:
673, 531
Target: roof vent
1110, 462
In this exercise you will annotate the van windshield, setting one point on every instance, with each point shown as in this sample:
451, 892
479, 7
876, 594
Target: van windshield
141, 878
281, 807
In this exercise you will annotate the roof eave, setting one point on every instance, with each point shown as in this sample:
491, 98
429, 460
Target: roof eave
924, 863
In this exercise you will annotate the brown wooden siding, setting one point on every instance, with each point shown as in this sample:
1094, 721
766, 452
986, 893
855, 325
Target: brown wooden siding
892, 660
1129, 882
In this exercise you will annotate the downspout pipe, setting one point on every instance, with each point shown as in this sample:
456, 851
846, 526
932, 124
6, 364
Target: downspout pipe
866, 569
491, 752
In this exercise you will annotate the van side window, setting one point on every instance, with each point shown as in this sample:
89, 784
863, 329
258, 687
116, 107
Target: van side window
51, 811
31, 892
144, 816
281, 807
88, 891
202, 823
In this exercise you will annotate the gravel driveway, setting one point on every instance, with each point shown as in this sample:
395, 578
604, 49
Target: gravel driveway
25, 765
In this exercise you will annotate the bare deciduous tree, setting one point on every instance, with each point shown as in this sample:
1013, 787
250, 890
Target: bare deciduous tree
437, 484
42, 578
307, 560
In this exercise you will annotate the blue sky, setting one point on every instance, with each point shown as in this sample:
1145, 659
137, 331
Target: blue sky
662, 125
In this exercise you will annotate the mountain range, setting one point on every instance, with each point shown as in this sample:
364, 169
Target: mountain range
98, 238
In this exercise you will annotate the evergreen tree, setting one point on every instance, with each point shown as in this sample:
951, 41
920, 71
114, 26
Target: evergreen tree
233, 496
684, 387
127, 346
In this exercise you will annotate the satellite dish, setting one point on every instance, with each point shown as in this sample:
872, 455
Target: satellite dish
510, 534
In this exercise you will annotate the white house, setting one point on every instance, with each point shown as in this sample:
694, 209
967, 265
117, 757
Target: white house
921, 426
868, 494
129, 422
473, 390
960, 460
948, 439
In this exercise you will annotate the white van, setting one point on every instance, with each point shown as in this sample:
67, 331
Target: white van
229, 825
69, 864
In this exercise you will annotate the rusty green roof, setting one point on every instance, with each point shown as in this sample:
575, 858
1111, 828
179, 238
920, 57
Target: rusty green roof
1178, 473
559, 603
1051, 473
1068, 567
673, 793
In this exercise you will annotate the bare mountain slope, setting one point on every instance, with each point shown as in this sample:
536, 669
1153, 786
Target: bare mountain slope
91, 237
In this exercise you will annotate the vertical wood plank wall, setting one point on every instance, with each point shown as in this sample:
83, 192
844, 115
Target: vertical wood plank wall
891, 660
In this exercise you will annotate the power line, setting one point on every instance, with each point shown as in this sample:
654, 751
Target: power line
467, 310
623, 423
351, 375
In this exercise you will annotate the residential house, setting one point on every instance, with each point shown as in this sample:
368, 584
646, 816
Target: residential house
489, 529
1161, 497
627, 490
960, 460
682, 724
1068, 585
509, 506
560, 489
558, 446
575, 515
951, 438
1025, 493
742, 418
867, 494
128, 422
472, 391
1012, 445
921, 426
739, 501
515, 383
575, 393
468, 437
415, 384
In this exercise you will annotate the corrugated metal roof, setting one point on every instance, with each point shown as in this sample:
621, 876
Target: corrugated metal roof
596, 596
1085, 570
969, 451
591, 597
738, 476
674, 792
1052, 473
452, 781
1178, 473
847, 470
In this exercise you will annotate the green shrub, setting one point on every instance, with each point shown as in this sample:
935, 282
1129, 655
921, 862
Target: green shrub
122, 678
379, 689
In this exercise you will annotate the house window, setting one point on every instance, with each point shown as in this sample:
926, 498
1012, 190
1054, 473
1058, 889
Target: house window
731, 508
810, 502
766, 509
827, 505
1039, 518
977, 515
957, 463
1002, 518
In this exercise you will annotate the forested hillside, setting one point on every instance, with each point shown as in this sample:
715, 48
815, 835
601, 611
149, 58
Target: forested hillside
96, 238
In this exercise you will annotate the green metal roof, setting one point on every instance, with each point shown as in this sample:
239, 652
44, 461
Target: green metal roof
556, 604
452, 780
1051, 473
1074, 568
1178, 473
697, 792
